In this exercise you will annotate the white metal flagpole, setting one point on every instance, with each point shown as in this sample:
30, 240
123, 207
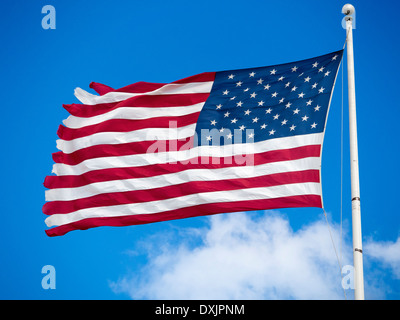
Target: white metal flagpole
349, 10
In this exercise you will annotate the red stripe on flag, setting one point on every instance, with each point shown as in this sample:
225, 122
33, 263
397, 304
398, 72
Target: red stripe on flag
53, 182
179, 190
201, 77
188, 212
143, 101
141, 87
100, 88
123, 149
127, 125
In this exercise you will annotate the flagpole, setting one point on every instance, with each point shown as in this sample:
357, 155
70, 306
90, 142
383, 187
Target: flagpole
349, 10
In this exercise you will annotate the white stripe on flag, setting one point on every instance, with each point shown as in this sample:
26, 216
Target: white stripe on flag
66, 194
132, 113
172, 88
149, 134
178, 156
187, 201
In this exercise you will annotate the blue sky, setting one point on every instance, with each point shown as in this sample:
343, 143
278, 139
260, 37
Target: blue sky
121, 42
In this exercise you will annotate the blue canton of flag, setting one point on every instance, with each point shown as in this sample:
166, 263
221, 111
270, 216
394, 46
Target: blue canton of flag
256, 104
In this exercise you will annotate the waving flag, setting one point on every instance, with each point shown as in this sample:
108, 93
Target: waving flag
216, 142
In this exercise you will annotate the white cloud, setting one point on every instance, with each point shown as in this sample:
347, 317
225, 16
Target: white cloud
240, 256
387, 253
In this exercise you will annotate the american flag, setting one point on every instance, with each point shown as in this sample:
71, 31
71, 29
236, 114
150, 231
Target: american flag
216, 142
